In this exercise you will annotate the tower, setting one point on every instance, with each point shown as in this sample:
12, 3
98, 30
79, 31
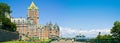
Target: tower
33, 13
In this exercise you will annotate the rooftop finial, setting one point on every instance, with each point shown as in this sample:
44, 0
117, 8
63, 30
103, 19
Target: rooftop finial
33, 6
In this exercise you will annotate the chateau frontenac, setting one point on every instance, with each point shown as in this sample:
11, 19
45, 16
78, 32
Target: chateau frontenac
30, 28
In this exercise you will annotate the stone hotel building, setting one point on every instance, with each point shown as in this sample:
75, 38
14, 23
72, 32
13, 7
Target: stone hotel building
30, 28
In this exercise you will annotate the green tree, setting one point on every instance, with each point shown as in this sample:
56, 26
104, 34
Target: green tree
99, 36
115, 31
106, 36
6, 22
4, 8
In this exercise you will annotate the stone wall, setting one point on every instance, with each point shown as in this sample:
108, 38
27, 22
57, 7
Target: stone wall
8, 36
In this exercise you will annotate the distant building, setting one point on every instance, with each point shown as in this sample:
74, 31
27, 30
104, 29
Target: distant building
30, 28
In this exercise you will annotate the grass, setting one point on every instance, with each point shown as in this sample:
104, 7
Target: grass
22, 42
19, 42
41, 41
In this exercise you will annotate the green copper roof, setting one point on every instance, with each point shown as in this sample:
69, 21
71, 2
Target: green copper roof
33, 6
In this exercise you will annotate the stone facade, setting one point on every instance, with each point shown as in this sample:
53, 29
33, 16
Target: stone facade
30, 27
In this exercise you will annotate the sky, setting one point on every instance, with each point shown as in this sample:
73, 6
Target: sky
86, 17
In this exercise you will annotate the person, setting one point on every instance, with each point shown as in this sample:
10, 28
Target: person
72, 40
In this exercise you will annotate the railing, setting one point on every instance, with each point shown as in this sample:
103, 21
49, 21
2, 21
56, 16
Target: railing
105, 41
100, 40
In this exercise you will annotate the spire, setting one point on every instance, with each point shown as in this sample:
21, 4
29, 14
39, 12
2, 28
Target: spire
56, 24
33, 6
50, 23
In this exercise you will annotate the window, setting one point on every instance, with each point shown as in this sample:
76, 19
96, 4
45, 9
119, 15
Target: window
50, 32
18, 21
23, 21
14, 21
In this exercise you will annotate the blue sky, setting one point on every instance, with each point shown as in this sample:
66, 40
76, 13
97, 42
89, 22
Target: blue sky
72, 14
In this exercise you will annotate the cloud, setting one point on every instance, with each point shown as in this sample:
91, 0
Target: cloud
70, 32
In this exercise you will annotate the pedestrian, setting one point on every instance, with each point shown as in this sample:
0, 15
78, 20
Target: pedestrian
72, 40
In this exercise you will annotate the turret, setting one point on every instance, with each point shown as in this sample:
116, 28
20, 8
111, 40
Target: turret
33, 13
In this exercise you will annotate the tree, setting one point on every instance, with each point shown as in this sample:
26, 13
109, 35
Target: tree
106, 36
99, 36
4, 8
115, 31
6, 22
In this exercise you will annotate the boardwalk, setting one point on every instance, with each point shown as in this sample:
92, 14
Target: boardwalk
67, 41
62, 41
